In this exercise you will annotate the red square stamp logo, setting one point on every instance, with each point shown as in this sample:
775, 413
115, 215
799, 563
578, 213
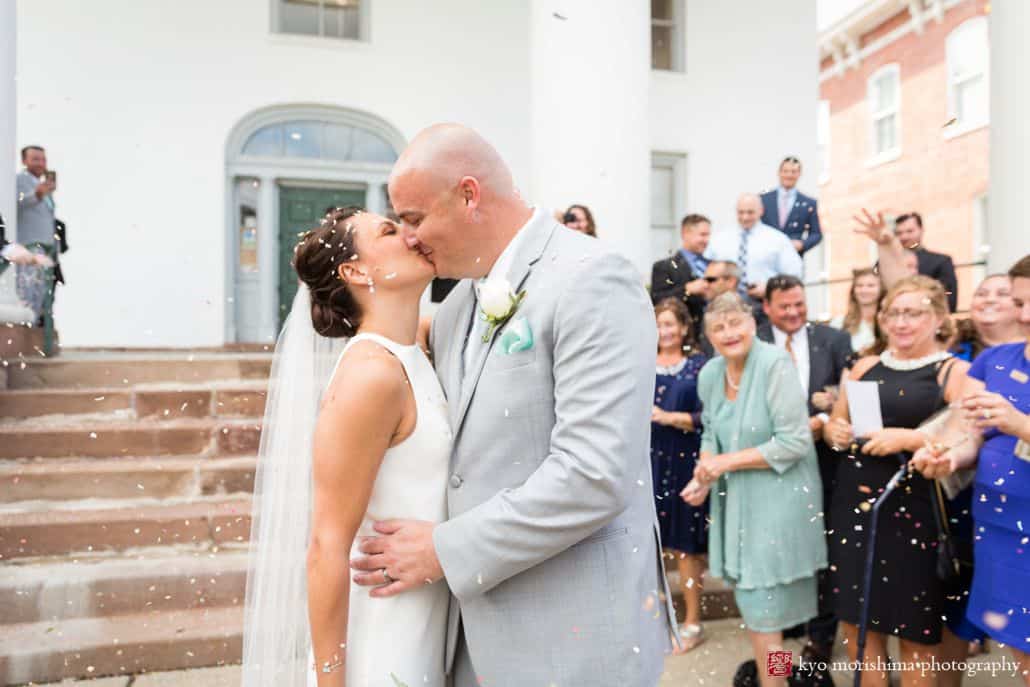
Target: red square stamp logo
778, 663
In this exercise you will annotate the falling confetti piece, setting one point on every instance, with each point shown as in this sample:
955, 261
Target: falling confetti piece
995, 621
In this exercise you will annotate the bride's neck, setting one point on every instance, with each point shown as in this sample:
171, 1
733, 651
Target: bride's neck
393, 315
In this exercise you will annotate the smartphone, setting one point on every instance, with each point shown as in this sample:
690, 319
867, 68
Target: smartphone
51, 176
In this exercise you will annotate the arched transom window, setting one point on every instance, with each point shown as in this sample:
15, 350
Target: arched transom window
319, 140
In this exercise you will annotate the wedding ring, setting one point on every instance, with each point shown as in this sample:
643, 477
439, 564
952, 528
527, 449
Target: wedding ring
987, 414
386, 576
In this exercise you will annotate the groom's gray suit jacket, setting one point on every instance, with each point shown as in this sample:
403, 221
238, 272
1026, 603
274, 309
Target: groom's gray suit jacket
551, 548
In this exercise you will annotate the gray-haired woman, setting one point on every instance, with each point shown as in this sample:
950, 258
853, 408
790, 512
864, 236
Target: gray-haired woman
759, 466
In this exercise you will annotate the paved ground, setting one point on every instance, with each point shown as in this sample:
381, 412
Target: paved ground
710, 665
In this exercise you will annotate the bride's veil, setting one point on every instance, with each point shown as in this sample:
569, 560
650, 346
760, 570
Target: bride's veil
276, 638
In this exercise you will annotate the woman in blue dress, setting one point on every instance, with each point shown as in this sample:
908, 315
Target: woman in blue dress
996, 403
675, 439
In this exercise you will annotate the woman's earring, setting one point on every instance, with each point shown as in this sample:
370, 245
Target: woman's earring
371, 286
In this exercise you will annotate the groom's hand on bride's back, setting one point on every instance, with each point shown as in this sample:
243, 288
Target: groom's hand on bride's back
402, 557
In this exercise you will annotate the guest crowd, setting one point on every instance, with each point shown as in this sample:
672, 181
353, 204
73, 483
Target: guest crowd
763, 476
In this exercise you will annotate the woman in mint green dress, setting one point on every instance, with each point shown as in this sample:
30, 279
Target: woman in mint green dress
759, 467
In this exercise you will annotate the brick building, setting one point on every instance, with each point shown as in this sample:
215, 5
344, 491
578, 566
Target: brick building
904, 125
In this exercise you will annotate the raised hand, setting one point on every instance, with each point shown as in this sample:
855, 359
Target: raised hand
873, 227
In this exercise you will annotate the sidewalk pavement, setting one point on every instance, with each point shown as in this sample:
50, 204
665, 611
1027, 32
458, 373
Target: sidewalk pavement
712, 664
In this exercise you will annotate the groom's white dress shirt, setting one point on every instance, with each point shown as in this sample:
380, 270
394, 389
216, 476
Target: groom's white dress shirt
500, 268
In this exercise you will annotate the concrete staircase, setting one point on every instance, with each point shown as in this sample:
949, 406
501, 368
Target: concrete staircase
125, 483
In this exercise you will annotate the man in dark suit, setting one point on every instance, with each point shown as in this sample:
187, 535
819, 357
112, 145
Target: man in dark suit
909, 230
790, 210
681, 275
821, 354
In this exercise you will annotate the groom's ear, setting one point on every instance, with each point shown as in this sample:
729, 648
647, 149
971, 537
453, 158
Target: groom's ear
470, 191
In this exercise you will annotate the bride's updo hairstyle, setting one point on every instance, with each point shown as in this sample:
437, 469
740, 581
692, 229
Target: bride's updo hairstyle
317, 259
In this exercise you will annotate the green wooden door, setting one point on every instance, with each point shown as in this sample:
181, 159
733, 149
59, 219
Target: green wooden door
300, 210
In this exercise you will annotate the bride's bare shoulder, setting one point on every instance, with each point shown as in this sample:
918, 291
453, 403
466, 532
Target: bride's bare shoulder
367, 370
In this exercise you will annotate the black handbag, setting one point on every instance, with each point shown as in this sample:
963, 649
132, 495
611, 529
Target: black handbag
954, 554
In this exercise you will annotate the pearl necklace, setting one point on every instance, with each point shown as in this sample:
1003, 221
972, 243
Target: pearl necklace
729, 380
892, 362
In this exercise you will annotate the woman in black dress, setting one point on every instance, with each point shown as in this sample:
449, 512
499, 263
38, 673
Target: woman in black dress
675, 440
907, 598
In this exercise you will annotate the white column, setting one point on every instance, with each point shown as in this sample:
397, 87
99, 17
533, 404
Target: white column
11, 310
1008, 234
268, 258
590, 78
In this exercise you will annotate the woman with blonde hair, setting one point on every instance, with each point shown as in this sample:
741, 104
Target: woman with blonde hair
915, 377
863, 306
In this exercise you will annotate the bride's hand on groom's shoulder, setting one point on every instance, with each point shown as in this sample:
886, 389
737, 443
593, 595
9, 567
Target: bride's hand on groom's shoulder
402, 557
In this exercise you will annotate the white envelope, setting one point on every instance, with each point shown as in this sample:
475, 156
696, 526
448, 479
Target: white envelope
864, 407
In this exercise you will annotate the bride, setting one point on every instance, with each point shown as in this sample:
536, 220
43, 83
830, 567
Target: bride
354, 433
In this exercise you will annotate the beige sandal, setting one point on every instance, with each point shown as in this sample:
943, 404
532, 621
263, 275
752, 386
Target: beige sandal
691, 636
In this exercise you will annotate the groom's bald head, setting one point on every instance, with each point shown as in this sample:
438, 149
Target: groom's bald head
455, 195
444, 153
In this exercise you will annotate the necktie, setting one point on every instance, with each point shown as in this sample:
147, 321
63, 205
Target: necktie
784, 210
790, 348
742, 257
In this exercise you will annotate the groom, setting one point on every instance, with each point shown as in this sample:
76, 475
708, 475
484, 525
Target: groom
551, 550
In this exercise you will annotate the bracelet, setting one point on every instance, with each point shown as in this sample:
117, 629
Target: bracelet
330, 667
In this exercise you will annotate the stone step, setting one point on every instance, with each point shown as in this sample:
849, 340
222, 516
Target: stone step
210, 522
31, 403
119, 370
66, 479
237, 398
87, 439
120, 645
158, 580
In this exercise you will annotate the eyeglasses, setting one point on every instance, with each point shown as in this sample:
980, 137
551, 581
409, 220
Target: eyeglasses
907, 315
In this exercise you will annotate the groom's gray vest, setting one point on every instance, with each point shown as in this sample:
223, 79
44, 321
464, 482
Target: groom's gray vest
552, 548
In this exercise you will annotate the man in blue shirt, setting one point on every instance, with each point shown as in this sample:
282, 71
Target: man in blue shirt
791, 211
759, 251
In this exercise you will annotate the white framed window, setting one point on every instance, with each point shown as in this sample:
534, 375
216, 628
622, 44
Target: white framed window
345, 19
981, 248
883, 95
667, 35
968, 77
822, 134
668, 202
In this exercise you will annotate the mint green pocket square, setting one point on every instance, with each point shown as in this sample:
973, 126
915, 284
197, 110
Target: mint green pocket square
517, 337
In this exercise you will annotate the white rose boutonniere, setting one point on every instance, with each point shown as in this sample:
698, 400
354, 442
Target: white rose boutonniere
498, 302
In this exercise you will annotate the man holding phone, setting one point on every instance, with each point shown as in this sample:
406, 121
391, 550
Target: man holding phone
39, 232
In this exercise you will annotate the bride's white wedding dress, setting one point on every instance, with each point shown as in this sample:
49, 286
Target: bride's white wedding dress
400, 640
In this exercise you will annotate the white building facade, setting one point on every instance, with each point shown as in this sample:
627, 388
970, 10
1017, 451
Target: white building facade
193, 140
